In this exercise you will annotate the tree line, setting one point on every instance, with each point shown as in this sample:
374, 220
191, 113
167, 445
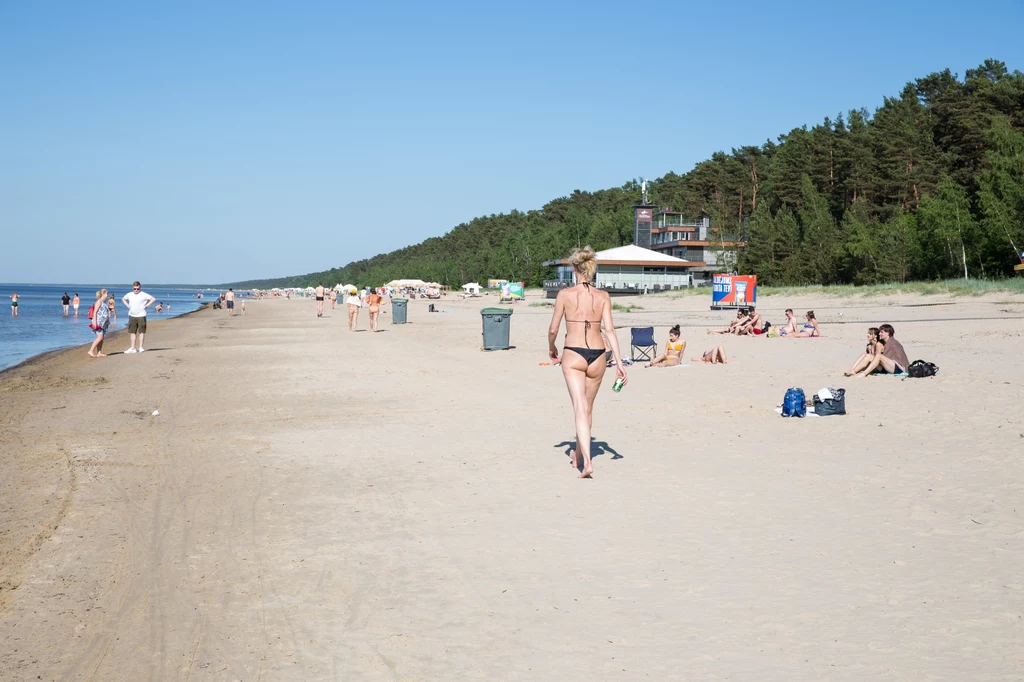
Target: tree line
929, 186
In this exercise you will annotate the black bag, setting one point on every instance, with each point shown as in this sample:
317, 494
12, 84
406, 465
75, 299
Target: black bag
827, 408
920, 369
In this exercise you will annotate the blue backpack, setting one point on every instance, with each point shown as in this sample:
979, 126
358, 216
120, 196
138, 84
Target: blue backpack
795, 403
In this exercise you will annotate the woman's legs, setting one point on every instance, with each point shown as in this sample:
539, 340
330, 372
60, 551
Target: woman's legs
718, 355
583, 382
353, 319
863, 361
373, 321
96, 344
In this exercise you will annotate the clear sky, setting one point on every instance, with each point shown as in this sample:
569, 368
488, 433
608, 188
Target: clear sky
205, 142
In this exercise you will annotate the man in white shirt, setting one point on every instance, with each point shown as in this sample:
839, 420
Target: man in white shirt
137, 301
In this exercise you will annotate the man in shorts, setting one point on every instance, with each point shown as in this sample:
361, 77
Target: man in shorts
137, 301
229, 301
893, 359
65, 301
319, 292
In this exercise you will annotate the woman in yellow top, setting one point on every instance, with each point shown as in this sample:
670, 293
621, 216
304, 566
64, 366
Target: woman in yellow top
673, 354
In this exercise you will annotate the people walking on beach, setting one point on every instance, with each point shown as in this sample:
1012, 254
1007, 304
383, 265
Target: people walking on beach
229, 301
319, 293
353, 310
74, 303
674, 350
892, 359
65, 302
137, 301
100, 324
588, 326
373, 299
334, 298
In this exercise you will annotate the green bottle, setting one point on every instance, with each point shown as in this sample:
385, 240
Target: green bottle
617, 386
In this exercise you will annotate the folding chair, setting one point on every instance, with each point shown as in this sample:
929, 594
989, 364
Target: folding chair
642, 343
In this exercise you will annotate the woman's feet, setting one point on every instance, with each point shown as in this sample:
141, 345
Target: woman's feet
587, 472
573, 460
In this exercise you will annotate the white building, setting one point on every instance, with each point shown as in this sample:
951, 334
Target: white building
628, 270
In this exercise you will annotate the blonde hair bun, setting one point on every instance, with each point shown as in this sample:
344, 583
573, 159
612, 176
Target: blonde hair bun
585, 262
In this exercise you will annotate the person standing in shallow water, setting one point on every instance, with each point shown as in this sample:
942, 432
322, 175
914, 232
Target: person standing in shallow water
74, 304
14, 305
65, 302
588, 325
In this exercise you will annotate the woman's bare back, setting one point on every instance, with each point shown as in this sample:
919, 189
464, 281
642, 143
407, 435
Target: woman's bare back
582, 305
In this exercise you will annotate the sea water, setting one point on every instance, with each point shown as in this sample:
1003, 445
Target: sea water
41, 326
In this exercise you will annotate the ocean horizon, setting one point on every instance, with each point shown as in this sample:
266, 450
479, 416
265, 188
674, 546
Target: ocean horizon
41, 326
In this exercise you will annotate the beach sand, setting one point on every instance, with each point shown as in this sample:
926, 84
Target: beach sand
312, 504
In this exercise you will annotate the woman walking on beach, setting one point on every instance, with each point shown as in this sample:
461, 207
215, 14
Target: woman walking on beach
588, 325
353, 310
374, 300
100, 323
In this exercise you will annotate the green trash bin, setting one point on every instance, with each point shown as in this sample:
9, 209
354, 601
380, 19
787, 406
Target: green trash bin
497, 322
399, 308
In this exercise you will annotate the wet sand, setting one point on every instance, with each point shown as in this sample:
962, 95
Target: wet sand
312, 504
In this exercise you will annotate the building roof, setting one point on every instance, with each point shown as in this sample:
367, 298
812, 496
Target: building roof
631, 254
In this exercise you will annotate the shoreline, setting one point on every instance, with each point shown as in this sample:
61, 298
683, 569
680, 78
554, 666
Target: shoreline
312, 503
40, 357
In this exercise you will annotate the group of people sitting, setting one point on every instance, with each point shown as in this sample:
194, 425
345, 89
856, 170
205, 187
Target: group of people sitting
675, 348
748, 321
883, 355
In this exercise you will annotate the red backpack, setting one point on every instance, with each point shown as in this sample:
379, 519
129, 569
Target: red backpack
91, 310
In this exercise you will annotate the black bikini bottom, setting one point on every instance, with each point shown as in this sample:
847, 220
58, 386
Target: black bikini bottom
588, 354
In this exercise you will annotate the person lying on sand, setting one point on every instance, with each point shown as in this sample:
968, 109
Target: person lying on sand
741, 318
674, 349
715, 356
873, 348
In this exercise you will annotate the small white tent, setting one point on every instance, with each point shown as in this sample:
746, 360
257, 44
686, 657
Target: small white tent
471, 288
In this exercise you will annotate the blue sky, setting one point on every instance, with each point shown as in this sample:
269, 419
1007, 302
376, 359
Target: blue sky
210, 142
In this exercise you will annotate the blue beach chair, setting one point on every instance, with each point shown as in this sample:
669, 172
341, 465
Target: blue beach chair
642, 343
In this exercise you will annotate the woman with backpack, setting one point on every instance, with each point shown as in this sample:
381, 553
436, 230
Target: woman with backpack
100, 323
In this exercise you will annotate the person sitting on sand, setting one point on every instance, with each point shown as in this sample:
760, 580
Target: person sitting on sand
873, 348
715, 356
810, 329
790, 326
741, 318
892, 359
674, 350
752, 325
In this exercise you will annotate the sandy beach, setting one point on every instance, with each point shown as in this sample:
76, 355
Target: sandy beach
313, 504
